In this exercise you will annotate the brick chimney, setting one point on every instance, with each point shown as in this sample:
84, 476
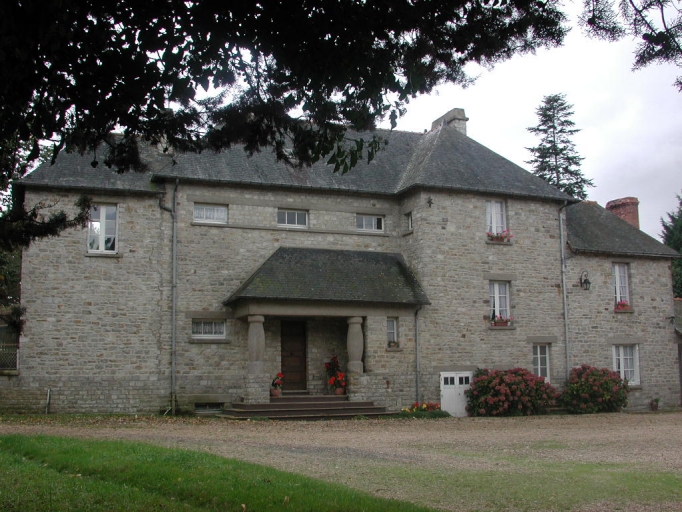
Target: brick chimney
455, 117
626, 208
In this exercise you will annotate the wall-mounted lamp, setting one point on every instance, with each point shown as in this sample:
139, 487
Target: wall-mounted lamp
429, 201
584, 281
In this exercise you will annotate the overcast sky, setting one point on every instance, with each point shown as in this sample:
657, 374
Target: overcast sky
631, 121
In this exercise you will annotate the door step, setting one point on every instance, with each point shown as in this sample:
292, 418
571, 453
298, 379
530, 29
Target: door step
304, 406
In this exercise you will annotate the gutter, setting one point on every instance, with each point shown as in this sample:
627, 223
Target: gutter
564, 293
174, 295
417, 355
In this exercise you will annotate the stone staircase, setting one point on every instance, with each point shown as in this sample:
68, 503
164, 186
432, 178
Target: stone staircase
298, 405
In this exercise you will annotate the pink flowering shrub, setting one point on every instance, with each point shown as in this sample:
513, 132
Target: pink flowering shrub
591, 390
515, 392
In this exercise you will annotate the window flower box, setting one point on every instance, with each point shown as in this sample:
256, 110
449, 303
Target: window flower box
501, 237
501, 321
622, 306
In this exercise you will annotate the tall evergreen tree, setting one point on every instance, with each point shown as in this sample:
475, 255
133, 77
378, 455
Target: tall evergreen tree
555, 159
672, 237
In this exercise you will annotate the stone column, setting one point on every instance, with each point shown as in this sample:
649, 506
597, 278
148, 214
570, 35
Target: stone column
355, 345
256, 344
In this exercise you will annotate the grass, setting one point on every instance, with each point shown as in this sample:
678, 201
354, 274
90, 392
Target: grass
42, 473
519, 483
47, 473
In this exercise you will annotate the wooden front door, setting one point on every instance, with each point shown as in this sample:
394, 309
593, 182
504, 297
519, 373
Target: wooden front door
294, 355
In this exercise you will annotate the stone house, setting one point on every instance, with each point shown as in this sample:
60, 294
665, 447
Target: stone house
197, 282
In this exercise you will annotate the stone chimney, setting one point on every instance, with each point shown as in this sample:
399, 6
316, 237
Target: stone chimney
455, 118
626, 208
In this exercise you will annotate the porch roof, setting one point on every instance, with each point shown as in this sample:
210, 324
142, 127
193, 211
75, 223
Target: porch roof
302, 274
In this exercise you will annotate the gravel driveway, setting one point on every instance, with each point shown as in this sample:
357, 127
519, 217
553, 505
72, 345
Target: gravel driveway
353, 452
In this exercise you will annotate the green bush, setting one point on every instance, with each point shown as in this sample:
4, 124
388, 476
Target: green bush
591, 390
515, 392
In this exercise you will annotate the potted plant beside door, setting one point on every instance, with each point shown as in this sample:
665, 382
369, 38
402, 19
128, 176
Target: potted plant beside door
338, 383
276, 386
336, 379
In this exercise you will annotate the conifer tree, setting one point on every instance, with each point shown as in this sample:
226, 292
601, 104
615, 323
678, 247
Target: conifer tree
672, 237
555, 158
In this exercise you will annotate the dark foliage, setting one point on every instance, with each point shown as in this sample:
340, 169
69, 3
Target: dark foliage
555, 159
292, 76
657, 24
672, 237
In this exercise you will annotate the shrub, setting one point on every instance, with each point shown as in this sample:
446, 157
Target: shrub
591, 390
515, 392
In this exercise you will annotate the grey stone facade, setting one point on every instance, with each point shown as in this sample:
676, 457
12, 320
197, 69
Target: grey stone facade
99, 328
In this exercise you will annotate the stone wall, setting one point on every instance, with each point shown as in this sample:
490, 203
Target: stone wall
97, 327
455, 263
595, 326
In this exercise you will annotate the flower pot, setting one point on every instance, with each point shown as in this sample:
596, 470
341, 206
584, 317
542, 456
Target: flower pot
339, 391
274, 392
501, 323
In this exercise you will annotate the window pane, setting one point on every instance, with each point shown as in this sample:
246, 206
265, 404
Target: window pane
391, 329
198, 212
301, 218
379, 223
110, 213
359, 222
281, 217
94, 235
196, 327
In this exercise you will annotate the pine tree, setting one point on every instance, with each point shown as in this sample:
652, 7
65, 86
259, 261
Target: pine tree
672, 237
555, 159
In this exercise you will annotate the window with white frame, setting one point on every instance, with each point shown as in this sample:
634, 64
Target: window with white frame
620, 284
210, 213
496, 218
292, 218
626, 362
408, 220
103, 229
205, 329
369, 222
392, 331
499, 300
541, 361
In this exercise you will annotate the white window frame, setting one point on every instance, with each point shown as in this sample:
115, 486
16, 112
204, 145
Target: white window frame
392, 331
626, 362
291, 218
365, 222
210, 213
210, 329
621, 284
500, 303
495, 216
541, 366
99, 235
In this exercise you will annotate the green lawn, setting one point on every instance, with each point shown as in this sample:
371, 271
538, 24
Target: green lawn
61, 474
64, 474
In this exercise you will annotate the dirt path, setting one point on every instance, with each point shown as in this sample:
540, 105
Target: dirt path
348, 452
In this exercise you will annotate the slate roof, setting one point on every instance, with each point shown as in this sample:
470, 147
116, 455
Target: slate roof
593, 229
443, 158
74, 171
333, 275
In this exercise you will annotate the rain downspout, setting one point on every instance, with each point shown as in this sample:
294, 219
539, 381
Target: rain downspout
174, 292
418, 358
563, 288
